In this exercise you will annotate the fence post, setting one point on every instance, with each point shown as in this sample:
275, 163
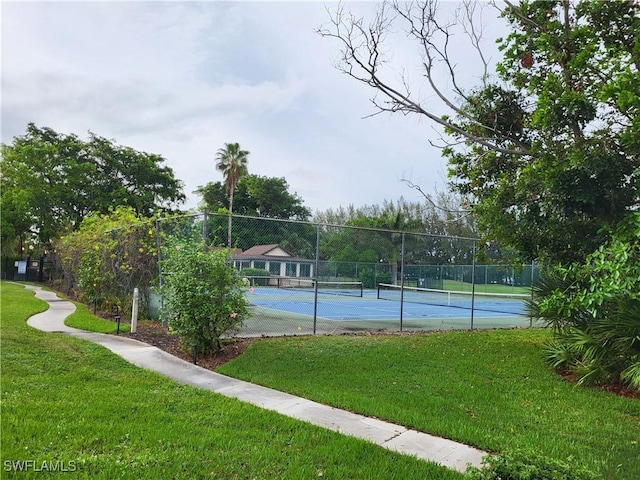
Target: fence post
205, 228
473, 280
315, 275
531, 310
41, 269
402, 281
158, 248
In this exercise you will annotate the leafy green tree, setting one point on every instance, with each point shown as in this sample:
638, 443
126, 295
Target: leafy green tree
269, 197
232, 162
567, 124
203, 297
15, 220
257, 196
43, 178
132, 178
51, 181
547, 150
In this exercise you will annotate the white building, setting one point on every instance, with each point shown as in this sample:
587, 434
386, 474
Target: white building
275, 259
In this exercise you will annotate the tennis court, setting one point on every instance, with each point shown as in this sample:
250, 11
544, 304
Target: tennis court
280, 262
348, 307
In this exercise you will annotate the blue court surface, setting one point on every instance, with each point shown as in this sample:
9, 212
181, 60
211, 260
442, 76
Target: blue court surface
335, 306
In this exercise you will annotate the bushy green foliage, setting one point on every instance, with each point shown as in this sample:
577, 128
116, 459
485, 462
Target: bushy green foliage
371, 279
51, 181
527, 466
107, 257
368, 277
549, 152
257, 195
203, 296
256, 272
594, 309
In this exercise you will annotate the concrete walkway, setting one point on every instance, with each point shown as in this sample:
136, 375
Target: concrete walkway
388, 435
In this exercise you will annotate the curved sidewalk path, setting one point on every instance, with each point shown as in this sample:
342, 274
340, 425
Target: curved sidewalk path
388, 435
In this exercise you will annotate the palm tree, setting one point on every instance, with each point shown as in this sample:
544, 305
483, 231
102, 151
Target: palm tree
232, 162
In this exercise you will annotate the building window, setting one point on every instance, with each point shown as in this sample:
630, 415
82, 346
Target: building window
305, 269
274, 268
291, 269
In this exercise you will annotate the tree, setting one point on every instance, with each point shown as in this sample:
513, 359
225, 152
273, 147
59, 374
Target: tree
269, 197
51, 181
232, 162
571, 100
376, 236
441, 214
548, 150
257, 196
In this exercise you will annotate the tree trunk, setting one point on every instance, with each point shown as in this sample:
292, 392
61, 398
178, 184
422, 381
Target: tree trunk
230, 214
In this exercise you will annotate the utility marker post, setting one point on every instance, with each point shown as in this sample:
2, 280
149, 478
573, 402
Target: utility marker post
134, 310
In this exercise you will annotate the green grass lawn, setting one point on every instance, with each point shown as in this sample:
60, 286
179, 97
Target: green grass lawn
488, 389
83, 319
72, 402
68, 400
457, 286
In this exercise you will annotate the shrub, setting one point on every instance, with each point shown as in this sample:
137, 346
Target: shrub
203, 295
256, 272
594, 309
371, 279
384, 278
368, 277
107, 257
520, 465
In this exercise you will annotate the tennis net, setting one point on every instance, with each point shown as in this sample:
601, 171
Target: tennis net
490, 302
352, 289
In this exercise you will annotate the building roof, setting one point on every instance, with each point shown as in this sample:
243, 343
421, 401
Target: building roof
266, 252
273, 250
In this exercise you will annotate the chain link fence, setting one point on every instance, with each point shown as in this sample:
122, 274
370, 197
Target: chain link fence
310, 278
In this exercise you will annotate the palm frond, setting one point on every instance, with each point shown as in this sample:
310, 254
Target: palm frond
631, 375
547, 302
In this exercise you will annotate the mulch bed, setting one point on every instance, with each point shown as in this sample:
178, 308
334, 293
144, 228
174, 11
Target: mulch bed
156, 334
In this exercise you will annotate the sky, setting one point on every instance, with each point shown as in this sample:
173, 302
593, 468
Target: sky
181, 79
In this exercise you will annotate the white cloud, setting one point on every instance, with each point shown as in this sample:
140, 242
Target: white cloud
183, 78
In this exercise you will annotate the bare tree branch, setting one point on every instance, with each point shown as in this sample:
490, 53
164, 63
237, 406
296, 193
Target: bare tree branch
362, 58
428, 198
474, 30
